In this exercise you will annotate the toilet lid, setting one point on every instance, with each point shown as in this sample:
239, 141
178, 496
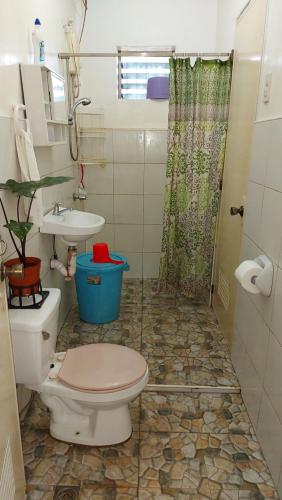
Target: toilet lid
102, 367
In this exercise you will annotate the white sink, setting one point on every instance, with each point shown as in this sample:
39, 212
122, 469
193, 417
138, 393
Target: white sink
73, 226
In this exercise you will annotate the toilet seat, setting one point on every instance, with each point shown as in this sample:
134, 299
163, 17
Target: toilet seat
102, 368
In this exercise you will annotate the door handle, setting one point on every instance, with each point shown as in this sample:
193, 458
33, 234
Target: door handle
237, 211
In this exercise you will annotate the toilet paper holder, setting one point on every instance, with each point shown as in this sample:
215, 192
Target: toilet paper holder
263, 281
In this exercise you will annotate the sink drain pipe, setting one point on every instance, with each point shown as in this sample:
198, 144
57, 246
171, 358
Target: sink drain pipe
69, 270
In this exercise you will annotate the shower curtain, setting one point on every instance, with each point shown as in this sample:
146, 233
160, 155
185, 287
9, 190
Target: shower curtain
198, 113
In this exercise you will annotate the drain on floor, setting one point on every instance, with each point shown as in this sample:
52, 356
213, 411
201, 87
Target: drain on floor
66, 492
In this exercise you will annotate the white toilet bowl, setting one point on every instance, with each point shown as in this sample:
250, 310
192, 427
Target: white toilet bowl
87, 389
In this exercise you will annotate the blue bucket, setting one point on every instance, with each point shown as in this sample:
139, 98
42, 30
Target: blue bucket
98, 288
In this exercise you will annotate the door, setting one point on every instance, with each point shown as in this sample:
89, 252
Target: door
243, 101
12, 481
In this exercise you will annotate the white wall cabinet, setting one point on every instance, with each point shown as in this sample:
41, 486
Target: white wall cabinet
46, 108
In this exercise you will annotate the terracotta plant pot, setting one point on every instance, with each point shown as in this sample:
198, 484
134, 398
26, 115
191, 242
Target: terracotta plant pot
30, 282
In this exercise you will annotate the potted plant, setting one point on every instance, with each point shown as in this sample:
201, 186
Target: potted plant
19, 229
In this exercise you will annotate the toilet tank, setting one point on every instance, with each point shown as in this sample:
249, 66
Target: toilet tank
34, 334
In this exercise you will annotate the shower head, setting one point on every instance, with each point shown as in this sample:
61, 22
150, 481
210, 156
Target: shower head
84, 101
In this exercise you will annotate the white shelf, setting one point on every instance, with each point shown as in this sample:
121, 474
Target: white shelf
54, 143
93, 130
93, 113
93, 161
92, 136
57, 122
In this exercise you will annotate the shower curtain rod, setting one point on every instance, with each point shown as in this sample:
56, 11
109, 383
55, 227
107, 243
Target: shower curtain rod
68, 55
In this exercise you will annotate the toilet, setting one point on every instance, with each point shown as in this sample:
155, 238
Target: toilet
87, 389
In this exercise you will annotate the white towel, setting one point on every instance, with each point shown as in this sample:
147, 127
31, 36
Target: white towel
27, 162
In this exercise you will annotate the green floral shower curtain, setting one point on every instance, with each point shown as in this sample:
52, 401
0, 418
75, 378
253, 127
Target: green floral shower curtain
198, 113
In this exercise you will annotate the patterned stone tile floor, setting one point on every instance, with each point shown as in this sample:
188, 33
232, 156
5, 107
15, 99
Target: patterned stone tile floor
184, 445
180, 338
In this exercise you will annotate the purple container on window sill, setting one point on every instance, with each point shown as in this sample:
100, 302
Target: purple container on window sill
158, 87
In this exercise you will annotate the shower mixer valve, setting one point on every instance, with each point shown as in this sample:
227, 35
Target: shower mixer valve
80, 195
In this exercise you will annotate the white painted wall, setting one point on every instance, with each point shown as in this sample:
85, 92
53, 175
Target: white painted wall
188, 24
227, 12
16, 20
257, 346
272, 64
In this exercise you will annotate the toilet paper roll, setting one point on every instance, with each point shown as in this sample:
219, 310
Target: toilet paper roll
246, 272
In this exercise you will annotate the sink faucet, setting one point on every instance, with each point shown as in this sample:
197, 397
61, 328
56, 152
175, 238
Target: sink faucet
58, 211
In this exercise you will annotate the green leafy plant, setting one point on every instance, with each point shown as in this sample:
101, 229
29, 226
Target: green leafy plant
20, 228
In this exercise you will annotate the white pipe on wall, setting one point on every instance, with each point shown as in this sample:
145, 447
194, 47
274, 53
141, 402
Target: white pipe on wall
69, 270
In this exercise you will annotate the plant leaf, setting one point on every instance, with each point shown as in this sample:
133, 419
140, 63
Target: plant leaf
20, 229
52, 181
21, 188
27, 188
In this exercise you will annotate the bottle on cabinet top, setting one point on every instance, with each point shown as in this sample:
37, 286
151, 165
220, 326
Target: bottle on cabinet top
38, 43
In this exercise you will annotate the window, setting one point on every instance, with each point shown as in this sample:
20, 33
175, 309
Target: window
134, 72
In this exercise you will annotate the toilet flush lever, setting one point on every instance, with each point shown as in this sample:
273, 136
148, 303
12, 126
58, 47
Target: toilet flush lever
17, 271
45, 335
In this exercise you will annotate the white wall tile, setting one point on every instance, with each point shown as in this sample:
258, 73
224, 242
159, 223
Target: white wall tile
279, 485
61, 192
152, 238
280, 256
153, 209
128, 146
106, 235
128, 209
269, 433
99, 180
129, 238
253, 331
266, 169
253, 211
128, 179
50, 160
155, 146
274, 168
271, 227
260, 152
248, 378
101, 204
117, 193
276, 317
154, 178
249, 250
108, 148
135, 263
151, 264
265, 304
273, 375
